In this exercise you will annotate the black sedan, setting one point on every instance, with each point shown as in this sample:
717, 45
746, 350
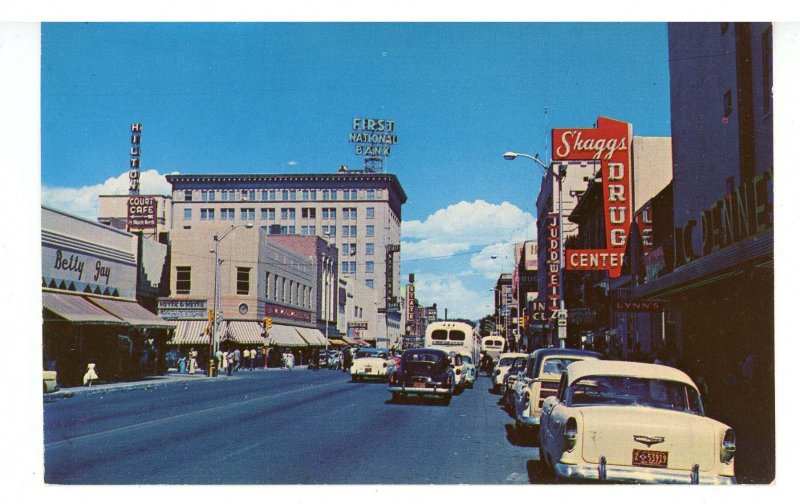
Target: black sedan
423, 372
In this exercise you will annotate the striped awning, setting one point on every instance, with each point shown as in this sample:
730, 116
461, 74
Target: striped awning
312, 336
246, 332
285, 336
132, 313
75, 308
190, 332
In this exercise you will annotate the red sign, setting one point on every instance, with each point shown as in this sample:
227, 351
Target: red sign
644, 221
142, 212
610, 144
591, 260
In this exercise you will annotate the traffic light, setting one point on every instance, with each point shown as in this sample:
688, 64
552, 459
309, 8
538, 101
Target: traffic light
267, 322
210, 316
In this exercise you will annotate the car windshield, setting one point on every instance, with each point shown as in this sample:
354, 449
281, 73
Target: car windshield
506, 362
429, 357
466, 360
634, 391
372, 353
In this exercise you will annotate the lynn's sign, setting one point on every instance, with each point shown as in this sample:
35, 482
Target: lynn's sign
610, 143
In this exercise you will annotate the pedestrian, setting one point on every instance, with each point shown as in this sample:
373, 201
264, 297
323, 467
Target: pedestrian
253, 358
246, 358
218, 357
289, 360
231, 363
237, 359
90, 375
182, 365
223, 362
192, 361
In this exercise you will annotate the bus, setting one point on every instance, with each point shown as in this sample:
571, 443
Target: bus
493, 345
458, 337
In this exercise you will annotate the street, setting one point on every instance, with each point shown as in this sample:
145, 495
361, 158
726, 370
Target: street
281, 427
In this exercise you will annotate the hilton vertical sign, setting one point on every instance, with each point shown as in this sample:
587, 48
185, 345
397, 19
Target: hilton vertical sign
609, 143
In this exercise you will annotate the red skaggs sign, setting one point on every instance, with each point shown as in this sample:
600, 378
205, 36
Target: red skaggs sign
610, 143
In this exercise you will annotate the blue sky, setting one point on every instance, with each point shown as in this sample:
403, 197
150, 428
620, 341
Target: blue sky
279, 98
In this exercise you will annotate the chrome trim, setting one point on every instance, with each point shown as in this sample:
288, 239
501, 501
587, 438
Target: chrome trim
602, 472
648, 440
639, 474
420, 390
696, 474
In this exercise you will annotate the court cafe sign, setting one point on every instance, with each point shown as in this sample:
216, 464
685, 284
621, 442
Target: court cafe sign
609, 143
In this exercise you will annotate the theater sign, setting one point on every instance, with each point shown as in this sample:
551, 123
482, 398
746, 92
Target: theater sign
609, 143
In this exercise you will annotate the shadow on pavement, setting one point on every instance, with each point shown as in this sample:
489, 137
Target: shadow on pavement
519, 437
538, 473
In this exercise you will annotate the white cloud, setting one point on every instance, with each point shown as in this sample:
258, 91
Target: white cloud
464, 225
450, 292
292, 163
84, 201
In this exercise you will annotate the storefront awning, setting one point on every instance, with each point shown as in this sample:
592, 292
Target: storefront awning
75, 308
312, 336
336, 342
359, 341
190, 332
132, 312
285, 336
348, 340
245, 332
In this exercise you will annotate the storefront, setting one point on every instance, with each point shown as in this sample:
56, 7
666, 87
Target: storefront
89, 308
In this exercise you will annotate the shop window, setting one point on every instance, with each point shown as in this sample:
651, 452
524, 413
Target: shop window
183, 279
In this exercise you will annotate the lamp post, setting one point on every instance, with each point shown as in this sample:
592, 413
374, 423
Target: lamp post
510, 156
326, 276
217, 239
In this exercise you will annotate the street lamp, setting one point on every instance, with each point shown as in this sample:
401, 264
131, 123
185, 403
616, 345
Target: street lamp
217, 239
510, 156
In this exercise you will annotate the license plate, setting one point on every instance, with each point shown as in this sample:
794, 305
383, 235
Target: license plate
650, 458
419, 384
368, 370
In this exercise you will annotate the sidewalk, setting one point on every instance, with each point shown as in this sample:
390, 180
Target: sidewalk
154, 381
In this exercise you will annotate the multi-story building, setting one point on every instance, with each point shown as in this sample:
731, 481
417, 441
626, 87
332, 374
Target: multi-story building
525, 290
360, 212
504, 308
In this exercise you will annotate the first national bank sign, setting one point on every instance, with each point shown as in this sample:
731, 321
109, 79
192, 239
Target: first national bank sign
610, 143
373, 137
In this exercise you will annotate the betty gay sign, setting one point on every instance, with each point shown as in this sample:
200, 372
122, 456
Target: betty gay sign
610, 143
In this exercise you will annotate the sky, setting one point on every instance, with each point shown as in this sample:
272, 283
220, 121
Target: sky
280, 98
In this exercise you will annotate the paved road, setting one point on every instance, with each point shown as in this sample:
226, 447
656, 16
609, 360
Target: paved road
281, 427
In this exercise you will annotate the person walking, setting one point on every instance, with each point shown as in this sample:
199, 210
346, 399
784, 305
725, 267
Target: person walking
192, 361
231, 363
90, 375
253, 358
237, 359
289, 359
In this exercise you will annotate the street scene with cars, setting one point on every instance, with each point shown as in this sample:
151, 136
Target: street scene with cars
595, 308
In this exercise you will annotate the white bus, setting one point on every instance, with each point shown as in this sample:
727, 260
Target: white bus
493, 345
458, 337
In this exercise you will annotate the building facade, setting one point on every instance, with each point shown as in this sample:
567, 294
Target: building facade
90, 312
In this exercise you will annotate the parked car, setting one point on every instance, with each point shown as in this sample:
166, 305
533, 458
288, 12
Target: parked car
49, 381
470, 373
538, 381
504, 363
423, 372
633, 422
510, 378
457, 364
370, 363
334, 360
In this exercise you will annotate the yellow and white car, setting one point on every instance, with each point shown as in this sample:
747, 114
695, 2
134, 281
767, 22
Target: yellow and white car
633, 422
49, 381
370, 364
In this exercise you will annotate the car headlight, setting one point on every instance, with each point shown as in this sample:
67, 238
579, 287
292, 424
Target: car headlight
728, 448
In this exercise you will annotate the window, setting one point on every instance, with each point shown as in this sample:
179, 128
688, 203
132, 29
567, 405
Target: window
251, 195
379, 194
206, 214
224, 195
272, 194
183, 279
727, 105
285, 195
353, 231
370, 267
226, 214
345, 194
334, 193
248, 214
275, 288
766, 69
313, 194
284, 229
353, 194
333, 213
325, 195
332, 230
243, 281
346, 231
370, 212
352, 266
345, 249
370, 230
304, 230
212, 195
325, 214
187, 214
352, 249
291, 229
308, 213
187, 195
268, 214
370, 283
305, 195
312, 230
345, 267
370, 194
293, 194
370, 249
204, 195
266, 285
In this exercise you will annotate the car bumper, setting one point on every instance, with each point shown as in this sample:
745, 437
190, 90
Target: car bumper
363, 374
638, 475
437, 391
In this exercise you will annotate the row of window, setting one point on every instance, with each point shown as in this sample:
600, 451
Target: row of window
277, 288
249, 214
270, 213
282, 194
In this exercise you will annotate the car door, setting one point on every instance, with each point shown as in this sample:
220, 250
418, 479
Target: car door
552, 419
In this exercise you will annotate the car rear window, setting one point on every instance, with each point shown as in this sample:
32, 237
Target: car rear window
634, 391
423, 357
